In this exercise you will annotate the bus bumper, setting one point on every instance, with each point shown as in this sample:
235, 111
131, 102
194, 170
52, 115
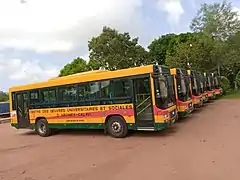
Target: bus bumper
205, 97
218, 92
197, 101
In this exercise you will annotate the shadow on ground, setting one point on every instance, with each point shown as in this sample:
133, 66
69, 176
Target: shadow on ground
89, 132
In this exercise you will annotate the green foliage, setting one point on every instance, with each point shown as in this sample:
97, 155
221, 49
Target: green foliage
166, 45
76, 66
237, 80
231, 56
159, 47
217, 19
196, 50
234, 95
225, 84
3, 96
114, 50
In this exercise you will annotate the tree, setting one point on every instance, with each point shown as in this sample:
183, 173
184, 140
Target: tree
159, 47
197, 51
76, 66
230, 64
3, 96
114, 50
166, 45
218, 20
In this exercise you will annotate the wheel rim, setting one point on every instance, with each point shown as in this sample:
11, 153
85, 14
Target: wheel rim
116, 127
42, 128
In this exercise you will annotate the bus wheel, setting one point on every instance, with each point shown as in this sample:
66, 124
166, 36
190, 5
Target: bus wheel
42, 128
117, 127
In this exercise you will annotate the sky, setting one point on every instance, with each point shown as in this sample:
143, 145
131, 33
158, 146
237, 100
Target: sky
38, 37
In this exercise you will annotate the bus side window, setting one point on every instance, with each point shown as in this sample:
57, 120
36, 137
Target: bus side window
44, 96
94, 92
89, 92
106, 89
122, 88
67, 93
13, 101
48, 95
34, 97
52, 95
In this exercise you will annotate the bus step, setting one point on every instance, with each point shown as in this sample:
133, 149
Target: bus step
146, 129
145, 123
147, 116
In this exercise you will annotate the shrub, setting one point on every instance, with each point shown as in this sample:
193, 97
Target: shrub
237, 80
225, 84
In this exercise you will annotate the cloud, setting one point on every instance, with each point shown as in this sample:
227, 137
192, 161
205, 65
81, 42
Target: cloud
237, 10
53, 25
27, 70
173, 8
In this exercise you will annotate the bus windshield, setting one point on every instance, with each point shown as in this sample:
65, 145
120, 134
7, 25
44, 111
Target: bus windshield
183, 88
171, 97
165, 91
209, 83
163, 87
187, 81
201, 84
216, 82
196, 85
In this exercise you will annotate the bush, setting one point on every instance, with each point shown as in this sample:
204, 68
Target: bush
225, 84
237, 80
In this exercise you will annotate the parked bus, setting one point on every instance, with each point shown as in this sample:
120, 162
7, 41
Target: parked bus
210, 85
217, 84
195, 88
4, 109
203, 87
182, 91
140, 98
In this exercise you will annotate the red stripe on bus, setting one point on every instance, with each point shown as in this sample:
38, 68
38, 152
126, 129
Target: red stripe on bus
99, 114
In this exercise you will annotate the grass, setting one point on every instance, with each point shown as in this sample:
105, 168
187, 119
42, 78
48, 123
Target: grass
234, 95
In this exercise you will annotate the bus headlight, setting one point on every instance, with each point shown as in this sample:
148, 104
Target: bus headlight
165, 116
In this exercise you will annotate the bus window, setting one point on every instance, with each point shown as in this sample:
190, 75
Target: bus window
106, 91
52, 95
48, 95
116, 88
34, 97
67, 93
122, 88
89, 91
13, 101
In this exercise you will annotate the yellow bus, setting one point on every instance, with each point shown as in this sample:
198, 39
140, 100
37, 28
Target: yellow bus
139, 98
203, 88
217, 85
182, 91
210, 85
195, 88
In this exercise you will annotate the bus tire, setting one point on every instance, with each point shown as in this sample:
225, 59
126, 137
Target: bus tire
117, 127
42, 128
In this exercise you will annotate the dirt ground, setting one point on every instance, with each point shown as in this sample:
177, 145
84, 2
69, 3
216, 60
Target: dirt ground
203, 146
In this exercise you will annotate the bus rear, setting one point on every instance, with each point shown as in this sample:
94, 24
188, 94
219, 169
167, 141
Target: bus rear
140, 98
182, 91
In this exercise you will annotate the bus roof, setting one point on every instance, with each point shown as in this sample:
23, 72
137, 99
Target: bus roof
86, 77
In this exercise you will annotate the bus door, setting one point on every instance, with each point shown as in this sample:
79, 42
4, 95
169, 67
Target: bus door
22, 110
143, 103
